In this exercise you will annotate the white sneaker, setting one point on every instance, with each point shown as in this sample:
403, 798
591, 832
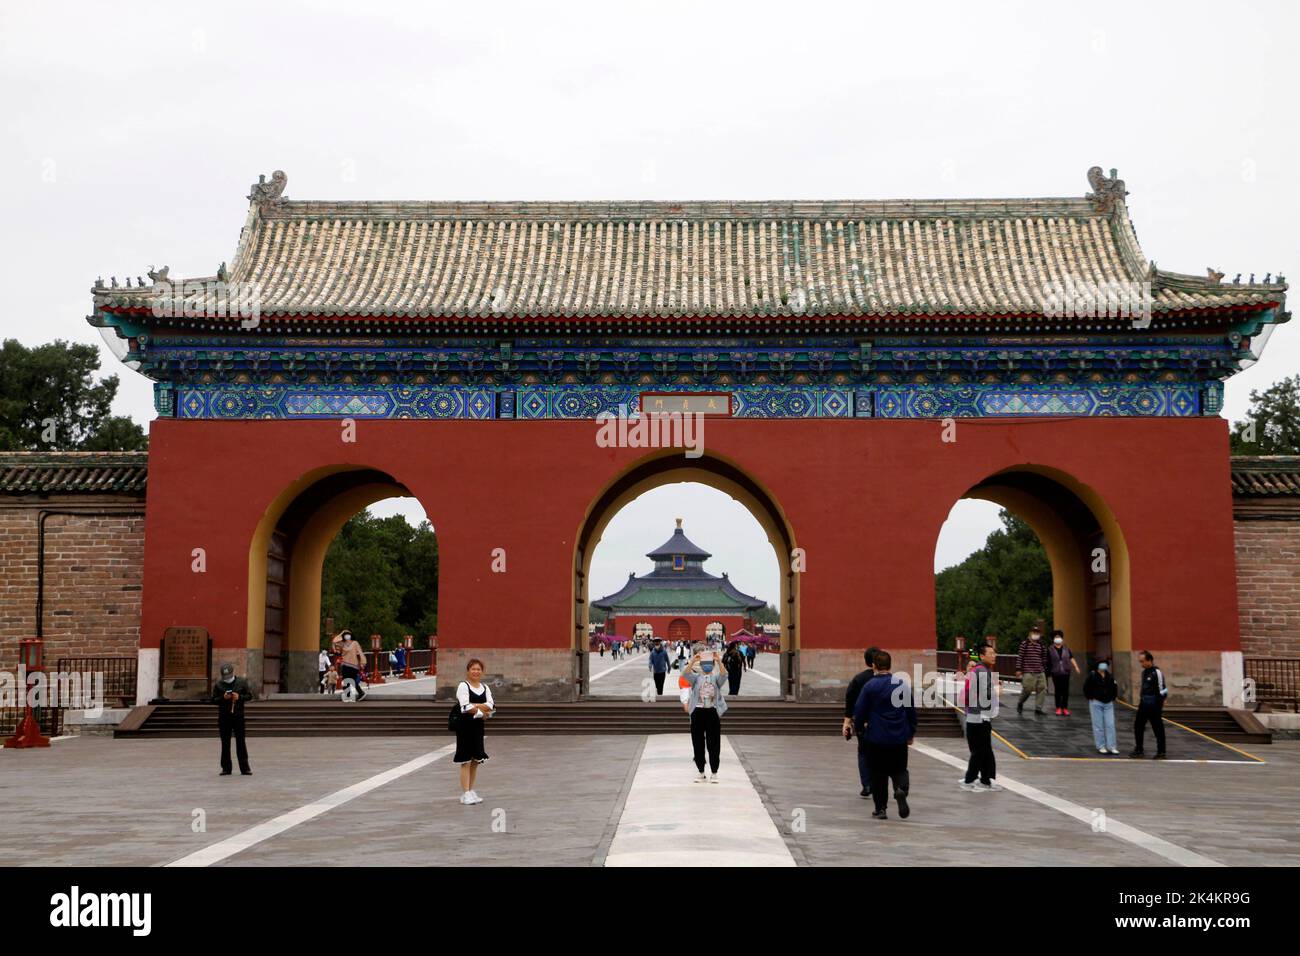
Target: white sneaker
700, 778
1113, 751
465, 798
713, 779
1101, 750
474, 797
992, 787
968, 787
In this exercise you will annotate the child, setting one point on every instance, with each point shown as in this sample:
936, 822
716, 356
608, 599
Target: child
331, 680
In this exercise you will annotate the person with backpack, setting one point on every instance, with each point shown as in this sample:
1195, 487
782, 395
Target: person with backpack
886, 716
1100, 690
980, 700
1059, 662
1031, 668
1151, 706
474, 704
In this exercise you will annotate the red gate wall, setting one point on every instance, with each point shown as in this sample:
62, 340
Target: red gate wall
864, 498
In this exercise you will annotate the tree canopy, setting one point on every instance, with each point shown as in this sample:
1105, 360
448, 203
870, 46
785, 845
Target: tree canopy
49, 401
1272, 426
381, 577
1001, 589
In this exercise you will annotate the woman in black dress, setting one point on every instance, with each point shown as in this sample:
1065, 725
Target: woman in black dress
476, 706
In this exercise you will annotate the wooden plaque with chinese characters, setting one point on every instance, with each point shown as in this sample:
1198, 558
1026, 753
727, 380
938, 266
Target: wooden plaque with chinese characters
185, 653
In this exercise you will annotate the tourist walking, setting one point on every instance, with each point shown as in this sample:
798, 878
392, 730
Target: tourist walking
981, 706
352, 659
1151, 706
735, 665
399, 663
851, 696
1100, 690
1059, 662
322, 665
476, 706
886, 717
706, 705
229, 694
659, 666
1031, 668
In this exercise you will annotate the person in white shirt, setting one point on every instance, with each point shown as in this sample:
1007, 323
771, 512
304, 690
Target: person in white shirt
323, 665
476, 706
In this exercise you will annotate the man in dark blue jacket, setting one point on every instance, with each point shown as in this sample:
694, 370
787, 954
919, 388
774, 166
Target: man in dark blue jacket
1151, 706
886, 716
659, 666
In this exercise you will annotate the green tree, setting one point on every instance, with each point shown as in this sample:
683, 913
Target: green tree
381, 577
1272, 426
1001, 589
49, 401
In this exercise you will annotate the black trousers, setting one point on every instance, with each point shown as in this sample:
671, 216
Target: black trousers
659, 681
233, 726
1061, 683
979, 738
733, 681
888, 764
706, 729
864, 763
1152, 713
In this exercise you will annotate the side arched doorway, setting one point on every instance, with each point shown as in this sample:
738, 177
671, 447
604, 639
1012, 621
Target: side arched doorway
285, 561
672, 467
1086, 550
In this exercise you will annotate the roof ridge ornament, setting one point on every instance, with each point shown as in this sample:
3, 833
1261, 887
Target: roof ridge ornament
1106, 192
269, 193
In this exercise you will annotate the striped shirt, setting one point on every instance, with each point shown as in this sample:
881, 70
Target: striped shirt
1033, 657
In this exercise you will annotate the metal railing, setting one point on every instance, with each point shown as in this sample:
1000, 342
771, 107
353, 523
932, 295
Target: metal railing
50, 720
119, 675
1277, 680
1005, 666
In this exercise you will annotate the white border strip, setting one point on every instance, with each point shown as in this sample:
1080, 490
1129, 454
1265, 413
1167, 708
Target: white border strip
1170, 851
264, 831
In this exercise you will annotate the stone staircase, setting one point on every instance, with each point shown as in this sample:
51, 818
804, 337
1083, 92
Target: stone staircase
387, 718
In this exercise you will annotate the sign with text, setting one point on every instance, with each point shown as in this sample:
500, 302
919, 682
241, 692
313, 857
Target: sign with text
185, 653
685, 403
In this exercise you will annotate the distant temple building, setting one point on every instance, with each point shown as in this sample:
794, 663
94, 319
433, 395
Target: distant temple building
678, 600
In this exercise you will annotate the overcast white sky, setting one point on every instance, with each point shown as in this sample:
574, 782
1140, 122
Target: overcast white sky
132, 133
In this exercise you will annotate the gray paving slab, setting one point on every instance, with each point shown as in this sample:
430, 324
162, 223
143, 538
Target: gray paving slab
625, 677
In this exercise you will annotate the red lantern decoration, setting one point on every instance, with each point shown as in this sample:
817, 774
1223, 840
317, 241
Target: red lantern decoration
28, 732
376, 648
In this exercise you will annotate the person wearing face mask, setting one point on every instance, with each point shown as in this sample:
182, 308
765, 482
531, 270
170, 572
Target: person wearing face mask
1031, 668
1101, 690
1059, 662
706, 704
229, 694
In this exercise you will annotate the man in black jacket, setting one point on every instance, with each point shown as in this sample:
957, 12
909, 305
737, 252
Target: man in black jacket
229, 694
1151, 706
850, 701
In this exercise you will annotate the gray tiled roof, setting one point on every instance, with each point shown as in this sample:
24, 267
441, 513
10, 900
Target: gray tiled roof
1266, 475
706, 259
73, 472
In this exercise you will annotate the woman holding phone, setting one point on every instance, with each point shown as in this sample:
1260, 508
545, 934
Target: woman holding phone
706, 705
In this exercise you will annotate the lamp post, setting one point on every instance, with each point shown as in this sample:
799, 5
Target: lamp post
28, 731
376, 647
433, 656
409, 643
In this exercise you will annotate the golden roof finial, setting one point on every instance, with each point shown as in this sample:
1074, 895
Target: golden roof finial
679, 523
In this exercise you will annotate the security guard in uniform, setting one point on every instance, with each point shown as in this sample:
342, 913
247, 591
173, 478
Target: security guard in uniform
229, 694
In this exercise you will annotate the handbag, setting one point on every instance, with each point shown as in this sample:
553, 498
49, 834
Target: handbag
453, 717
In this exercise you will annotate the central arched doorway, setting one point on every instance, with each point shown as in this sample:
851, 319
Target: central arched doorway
672, 467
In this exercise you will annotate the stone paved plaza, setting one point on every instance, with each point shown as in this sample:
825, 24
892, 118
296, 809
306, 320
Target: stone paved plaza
625, 800
627, 676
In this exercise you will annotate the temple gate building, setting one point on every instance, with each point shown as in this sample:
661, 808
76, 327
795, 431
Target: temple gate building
678, 600
861, 366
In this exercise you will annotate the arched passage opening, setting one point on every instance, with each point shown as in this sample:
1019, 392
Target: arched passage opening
1085, 550
285, 563
672, 468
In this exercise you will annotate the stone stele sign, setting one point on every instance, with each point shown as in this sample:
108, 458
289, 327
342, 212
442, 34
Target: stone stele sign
186, 663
